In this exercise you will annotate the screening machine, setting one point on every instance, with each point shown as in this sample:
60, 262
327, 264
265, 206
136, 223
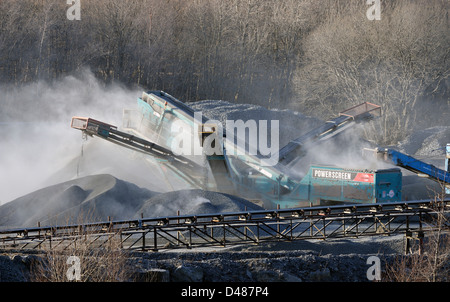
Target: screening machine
212, 160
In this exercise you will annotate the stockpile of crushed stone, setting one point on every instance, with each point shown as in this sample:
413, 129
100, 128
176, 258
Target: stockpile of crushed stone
190, 202
91, 198
102, 197
427, 143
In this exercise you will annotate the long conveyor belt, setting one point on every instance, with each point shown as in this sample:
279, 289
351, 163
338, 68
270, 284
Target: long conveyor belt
289, 154
246, 227
415, 165
109, 132
183, 167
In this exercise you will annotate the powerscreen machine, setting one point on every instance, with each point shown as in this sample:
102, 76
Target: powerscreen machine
147, 130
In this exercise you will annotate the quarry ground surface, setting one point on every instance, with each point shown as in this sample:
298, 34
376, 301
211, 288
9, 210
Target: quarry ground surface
299, 261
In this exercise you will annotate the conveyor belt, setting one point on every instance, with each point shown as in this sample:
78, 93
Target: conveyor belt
181, 166
109, 132
415, 165
362, 112
246, 227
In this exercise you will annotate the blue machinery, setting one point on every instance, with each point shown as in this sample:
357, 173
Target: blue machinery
417, 166
150, 130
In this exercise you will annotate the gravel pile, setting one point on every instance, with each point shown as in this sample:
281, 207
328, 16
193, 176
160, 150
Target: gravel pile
90, 198
102, 197
427, 143
188, 202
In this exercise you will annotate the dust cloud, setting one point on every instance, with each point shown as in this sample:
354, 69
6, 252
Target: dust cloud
37, 145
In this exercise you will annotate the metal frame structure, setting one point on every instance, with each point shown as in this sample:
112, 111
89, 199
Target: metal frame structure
247, 227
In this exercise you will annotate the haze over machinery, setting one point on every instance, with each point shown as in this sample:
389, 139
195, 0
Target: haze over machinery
229, 163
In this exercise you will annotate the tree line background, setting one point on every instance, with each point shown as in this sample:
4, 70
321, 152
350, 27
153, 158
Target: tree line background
313, 56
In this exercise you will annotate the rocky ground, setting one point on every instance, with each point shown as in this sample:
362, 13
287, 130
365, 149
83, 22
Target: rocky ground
300, 261
340, 260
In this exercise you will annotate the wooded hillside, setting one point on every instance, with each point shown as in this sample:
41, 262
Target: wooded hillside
314, 56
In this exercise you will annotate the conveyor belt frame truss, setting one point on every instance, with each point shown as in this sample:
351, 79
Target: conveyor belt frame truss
247, 227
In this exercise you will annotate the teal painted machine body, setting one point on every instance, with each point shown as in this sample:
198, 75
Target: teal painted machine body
159, 111
333, 184
161, 120
244, 175
323, 185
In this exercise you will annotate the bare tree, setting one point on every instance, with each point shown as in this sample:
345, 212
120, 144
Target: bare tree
389, 62
316, 56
